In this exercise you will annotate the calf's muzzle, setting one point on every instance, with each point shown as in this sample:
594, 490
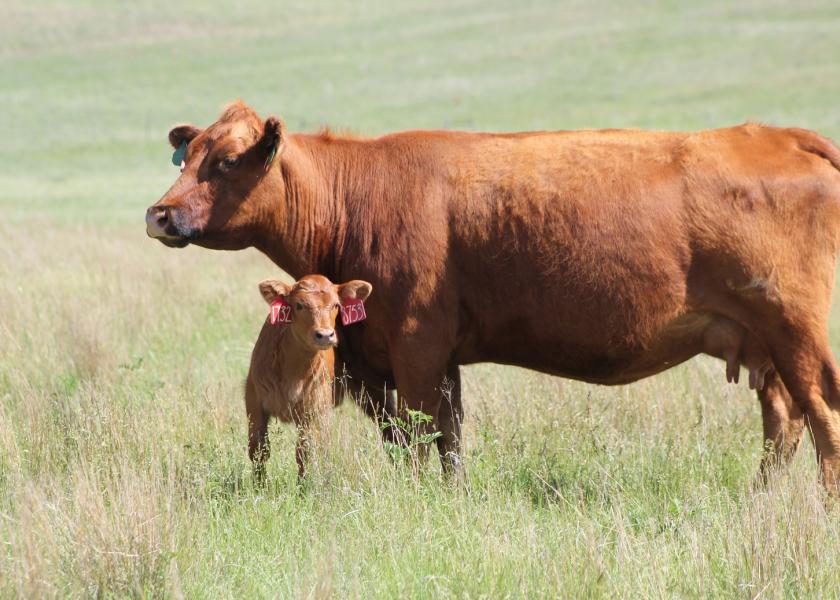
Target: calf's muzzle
325, 337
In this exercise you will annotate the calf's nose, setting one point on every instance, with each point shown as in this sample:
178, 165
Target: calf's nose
157, 218
325, 336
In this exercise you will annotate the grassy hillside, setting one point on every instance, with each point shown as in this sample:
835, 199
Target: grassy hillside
122, 430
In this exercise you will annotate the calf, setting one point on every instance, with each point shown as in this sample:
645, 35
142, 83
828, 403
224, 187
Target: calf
292, 365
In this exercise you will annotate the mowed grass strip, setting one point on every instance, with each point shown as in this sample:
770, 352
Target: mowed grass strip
123, 468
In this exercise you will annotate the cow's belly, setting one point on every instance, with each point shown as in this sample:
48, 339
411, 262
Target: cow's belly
677, 341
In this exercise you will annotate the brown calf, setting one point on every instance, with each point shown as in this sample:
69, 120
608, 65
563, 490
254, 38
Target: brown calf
292, 364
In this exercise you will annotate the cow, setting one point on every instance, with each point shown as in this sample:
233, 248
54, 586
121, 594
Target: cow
292, 364
604, 256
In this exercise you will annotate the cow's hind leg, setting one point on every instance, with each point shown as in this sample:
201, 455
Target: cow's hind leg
807, 368
783, 425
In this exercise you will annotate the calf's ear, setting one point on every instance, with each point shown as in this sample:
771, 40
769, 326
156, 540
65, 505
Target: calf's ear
271, 289
357, 289
274, 134
182, 133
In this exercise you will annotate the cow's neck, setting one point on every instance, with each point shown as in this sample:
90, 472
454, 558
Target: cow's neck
319, 180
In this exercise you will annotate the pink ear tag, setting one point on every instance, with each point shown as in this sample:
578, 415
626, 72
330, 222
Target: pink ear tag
281, 312
352, 311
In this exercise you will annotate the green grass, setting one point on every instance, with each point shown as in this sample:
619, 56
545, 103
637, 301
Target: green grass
123, 468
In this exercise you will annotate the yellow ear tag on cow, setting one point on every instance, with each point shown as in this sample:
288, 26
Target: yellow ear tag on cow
179, 154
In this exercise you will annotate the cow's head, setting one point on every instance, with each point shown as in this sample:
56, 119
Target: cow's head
314, 302
219, 196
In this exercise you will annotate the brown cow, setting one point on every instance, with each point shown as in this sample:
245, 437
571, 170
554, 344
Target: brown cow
604, 256
292, 364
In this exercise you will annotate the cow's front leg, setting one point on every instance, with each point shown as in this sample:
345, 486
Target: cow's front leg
450, 417
421, 387
378, 403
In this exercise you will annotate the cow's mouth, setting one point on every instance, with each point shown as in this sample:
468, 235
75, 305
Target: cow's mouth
174, 242
168, 240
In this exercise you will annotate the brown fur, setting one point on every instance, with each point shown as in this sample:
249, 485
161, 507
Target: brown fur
291, 376
605, 256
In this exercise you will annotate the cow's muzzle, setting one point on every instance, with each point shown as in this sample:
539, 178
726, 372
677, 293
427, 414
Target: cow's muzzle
160, 225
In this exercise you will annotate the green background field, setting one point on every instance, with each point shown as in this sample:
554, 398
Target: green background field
123, 468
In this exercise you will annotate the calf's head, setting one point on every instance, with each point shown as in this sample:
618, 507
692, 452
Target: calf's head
220, 195
314, 302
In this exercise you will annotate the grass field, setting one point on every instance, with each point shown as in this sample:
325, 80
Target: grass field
123, 469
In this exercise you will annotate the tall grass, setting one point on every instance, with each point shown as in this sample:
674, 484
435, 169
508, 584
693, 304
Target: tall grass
124, 470
123, 464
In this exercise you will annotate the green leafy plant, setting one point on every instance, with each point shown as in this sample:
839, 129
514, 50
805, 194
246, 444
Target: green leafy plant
413, 436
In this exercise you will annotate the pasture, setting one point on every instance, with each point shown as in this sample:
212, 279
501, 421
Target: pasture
123, 465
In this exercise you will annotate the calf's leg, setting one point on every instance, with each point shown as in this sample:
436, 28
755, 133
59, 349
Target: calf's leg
303, 450
312, 427
258, 449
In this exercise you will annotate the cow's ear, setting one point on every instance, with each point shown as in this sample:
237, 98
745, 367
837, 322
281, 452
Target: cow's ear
357, 289
182, 133
274, 134
271, 289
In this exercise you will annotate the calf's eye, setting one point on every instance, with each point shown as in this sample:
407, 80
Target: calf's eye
299, 306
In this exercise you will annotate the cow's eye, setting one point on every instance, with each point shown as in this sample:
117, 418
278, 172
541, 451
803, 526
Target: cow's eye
229, 162
299, 306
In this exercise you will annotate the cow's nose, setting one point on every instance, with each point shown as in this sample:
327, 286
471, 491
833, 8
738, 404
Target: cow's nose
157, 218
325, 336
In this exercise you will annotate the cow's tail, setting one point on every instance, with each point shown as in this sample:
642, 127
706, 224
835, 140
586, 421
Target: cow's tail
814, 143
